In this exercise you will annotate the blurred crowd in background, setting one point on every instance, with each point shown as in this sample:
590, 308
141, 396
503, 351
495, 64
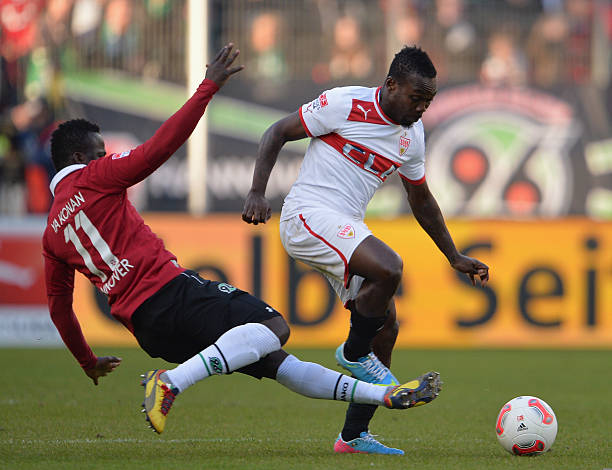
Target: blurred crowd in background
545, 44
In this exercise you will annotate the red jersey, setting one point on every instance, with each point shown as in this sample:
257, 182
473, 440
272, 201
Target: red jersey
93, 228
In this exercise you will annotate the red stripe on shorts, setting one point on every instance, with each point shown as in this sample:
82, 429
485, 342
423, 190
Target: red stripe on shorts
332, 247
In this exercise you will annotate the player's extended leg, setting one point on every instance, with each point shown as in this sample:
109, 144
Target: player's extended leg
306, 378
315, 381
213, 337
236, 348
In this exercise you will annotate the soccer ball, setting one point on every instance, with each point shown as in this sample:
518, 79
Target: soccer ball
526, 426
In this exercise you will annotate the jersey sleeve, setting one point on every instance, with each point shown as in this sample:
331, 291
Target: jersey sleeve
324, 114
413, 170
121, 170
59, 279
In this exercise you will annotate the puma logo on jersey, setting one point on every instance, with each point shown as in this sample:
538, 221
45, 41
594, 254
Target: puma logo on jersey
365, 113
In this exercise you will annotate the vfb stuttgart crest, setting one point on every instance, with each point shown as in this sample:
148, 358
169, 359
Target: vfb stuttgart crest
346, 232
404, 143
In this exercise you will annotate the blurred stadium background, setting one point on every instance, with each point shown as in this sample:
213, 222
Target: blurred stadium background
519, 153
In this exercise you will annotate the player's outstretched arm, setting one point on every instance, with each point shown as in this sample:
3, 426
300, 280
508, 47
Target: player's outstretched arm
178, 127
146, 158
104, 365
256, 207
427, 213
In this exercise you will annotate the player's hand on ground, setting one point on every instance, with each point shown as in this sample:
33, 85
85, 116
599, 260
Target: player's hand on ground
105, 365
472, 267
256, 209
220, 69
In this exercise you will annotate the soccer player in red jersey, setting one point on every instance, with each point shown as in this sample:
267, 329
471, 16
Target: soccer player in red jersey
208, 327
358, 137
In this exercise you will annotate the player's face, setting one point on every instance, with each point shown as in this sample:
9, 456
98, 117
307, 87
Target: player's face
95, 149
407, 101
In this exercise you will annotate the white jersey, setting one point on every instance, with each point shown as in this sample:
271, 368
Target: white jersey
354, 147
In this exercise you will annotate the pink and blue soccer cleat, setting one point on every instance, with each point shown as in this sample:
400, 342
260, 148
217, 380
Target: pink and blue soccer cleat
364, 444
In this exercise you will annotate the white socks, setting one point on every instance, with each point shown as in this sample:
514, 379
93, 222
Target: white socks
246, 344
315, 381
236, 348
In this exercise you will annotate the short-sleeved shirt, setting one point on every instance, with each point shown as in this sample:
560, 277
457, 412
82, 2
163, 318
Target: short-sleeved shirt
354, 148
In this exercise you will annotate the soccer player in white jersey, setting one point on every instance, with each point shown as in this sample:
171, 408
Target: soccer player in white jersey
359, 136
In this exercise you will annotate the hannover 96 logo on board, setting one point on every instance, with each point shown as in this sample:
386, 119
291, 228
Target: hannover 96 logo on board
503, 152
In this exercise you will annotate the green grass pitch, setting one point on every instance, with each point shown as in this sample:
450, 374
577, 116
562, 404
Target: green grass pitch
52, 417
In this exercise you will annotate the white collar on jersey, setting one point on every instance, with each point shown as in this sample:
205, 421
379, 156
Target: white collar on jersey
60, 175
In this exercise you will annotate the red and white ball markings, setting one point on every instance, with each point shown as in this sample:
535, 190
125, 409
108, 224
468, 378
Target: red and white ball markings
526, 426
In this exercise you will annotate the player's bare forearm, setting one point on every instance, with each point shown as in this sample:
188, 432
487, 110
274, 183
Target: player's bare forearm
256, 207
271, 143
427, 213
278, 134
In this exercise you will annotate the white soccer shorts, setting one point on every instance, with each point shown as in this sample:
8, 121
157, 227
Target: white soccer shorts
326, 240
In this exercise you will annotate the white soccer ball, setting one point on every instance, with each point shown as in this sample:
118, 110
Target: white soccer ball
526, 426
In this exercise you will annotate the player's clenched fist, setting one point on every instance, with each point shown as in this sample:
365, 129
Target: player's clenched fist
256, 209
220, 69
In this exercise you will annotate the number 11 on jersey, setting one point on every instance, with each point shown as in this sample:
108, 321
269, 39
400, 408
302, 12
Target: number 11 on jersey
81, 221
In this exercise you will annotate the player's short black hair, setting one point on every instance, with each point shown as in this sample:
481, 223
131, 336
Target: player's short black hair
70, 136
411, 60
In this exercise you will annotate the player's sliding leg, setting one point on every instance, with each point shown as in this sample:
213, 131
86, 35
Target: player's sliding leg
236, 348
315, 381
306, 378
159, 397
